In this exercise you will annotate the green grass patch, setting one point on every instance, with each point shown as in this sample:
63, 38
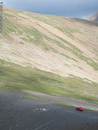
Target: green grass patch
26, 78
77, 52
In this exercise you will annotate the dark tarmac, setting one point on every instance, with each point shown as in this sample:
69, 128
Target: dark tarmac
22, 113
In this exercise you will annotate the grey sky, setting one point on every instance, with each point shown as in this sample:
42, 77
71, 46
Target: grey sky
71, 8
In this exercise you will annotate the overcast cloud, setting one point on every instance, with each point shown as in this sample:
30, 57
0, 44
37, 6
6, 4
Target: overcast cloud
70, 8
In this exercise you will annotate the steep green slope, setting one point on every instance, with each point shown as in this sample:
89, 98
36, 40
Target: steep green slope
25, 78
49, 54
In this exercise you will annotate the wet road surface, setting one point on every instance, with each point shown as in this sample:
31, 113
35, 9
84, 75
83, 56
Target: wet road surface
22, 113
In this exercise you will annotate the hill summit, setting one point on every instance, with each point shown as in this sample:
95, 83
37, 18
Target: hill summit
94, 17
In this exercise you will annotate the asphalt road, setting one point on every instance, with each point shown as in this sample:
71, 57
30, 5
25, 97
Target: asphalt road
63, 99
22, 113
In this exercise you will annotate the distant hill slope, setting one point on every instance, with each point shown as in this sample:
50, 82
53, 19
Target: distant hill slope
94, 17
64, 46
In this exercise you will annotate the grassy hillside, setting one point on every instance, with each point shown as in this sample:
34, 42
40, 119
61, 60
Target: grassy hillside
26, 78
49, 54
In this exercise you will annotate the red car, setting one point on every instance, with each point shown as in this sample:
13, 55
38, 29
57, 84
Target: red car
80, 108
